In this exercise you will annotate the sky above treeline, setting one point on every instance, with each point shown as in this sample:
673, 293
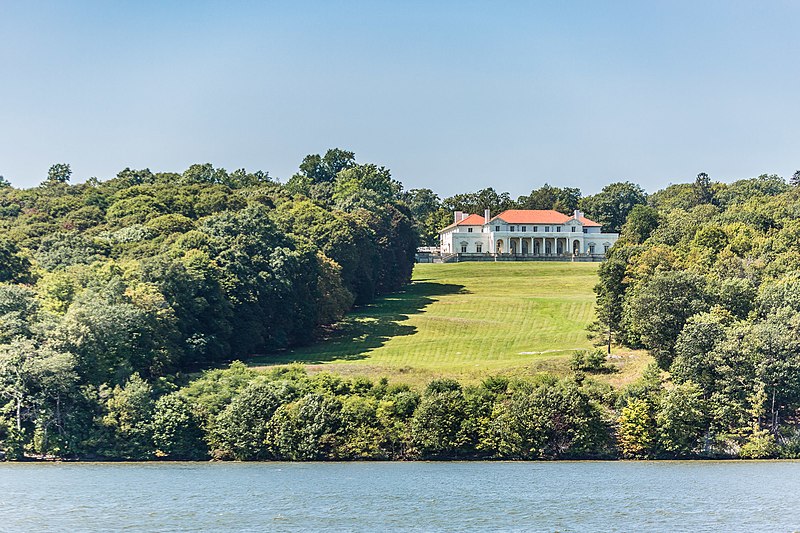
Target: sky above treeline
453, 96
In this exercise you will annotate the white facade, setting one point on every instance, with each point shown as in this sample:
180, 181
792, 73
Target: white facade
543, 233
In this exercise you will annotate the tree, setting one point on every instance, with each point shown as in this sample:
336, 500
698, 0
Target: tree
177, 429
36, 379
59, 173
436, 429
611, 206
703, 192
321, 169
19, 312
113, 338
636, 432
681, 420
129, 419
478, 202
14, 265
308, 429
694, 350
241, 431
361, 185
609, 297
549, 421
660, 306
642, 221
427, 213
565, 200
794, 181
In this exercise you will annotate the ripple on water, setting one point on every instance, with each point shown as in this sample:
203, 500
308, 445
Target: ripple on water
579, 496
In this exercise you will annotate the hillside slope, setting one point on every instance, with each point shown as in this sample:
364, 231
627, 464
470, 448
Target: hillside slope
463, 320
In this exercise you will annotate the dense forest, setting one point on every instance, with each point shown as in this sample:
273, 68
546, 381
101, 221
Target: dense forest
124, 302
148, 276
706, 276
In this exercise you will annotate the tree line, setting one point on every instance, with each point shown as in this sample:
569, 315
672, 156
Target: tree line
706, 277
108, 288
123, 302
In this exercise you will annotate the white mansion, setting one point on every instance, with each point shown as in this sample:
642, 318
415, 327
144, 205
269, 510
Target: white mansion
526, 233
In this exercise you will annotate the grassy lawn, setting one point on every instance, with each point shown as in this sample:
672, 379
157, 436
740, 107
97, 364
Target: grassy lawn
465, 320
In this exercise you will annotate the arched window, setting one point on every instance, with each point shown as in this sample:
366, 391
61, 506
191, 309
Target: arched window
478, 247
464, 247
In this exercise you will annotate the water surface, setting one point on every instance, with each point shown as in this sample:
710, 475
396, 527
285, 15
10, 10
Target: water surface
564, 496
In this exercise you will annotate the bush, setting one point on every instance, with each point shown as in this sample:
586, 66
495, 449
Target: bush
591, 362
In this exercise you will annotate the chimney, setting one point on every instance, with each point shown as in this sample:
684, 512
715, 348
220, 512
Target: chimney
459, 216
578, 215
486, 216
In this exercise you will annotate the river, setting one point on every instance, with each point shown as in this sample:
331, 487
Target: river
476, 496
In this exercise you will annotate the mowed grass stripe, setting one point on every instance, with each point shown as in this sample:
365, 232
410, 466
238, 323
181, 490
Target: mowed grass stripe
464, 316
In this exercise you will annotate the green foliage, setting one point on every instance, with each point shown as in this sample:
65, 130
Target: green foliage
35, 380
437, 425
320, 169
681, 420
128, 419
659, 308
113, 293
177, 430
712, 293
14, 266
637, 432
242, 429
703, 191
59, 173
590, 361
548, 422
611, 206
642, 221
142, 278
478, 202
565, 200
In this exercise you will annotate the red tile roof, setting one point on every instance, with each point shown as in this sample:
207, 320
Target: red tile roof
472, 220
539, 216
586, 222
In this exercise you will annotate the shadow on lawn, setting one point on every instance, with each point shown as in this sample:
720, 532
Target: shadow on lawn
367, 327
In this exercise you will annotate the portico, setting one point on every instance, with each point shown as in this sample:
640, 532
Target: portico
535, 245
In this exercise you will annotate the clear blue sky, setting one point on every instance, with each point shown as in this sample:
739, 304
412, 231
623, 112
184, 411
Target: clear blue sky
454, 96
